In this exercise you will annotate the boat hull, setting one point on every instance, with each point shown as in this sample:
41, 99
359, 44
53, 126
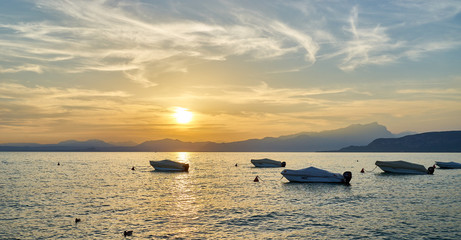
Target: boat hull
401, 171
169, 166
315, 175
313, 179
401, 167
448, 165
267, 163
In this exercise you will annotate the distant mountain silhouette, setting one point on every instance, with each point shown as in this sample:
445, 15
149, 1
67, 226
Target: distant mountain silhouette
66, 146
301, 142
449, 141
356, 134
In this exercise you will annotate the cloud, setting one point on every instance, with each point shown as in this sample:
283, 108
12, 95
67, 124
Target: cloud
33, 102
303, 39
109, 36
420, 50
452, 93
367, 46
126, 37
24, 68
260, 98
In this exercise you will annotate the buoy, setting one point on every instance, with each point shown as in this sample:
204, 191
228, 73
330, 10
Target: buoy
59, 164
77, 220
236, 165
132, 168
256, 179
127, 233
363, 170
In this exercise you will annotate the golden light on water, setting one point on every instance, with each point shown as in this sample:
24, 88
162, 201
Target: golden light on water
182, 115
183, 157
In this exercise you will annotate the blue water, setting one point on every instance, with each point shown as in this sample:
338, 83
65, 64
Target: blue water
217, 200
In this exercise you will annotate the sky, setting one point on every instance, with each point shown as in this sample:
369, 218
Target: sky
123, 70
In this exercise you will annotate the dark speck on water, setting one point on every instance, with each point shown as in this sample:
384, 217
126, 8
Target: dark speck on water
215, 200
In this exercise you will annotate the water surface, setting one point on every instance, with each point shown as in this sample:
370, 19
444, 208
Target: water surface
218, 200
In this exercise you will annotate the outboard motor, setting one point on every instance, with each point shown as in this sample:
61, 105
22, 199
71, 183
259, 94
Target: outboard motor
284, 164
430, 170
347, 176
186, 167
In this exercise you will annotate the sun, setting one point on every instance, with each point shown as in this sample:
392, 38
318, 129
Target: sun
182, 115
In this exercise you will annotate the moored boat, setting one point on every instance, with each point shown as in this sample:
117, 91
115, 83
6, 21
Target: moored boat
316, 175
169, 166
266, 162
403, 167
448, 165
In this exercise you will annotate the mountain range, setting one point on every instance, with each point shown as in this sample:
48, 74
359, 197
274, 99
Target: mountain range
449, 141
332, 140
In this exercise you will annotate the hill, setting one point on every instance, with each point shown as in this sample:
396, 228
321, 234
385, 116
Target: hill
449, 141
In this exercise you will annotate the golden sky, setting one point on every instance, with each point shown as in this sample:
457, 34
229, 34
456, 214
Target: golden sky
120, 70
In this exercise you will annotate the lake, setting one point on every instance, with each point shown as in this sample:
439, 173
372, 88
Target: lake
40, 199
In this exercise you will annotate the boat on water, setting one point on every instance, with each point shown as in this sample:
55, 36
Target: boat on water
403, 167
316, 175
266, 162
448, 165
169, 166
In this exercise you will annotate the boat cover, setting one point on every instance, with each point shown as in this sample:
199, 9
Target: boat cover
448, 164
311, 171
265, 161
167, 164
402, 165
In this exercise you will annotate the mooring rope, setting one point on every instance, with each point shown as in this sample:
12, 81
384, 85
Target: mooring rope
369, 171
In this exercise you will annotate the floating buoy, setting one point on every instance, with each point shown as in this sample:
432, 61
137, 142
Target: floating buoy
59, 164
256, 179
132, 168
236, 165
77, 220
127, 233
363, 170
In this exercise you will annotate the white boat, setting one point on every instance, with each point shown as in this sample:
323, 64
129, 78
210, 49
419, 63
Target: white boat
448, 165
266, 162
316, 175
403, 167
169, 166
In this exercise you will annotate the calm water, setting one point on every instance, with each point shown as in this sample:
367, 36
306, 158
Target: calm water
217, 200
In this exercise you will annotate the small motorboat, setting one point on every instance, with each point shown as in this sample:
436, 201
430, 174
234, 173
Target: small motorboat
266, 163
169, 166
403, 167
448, 165
316, 175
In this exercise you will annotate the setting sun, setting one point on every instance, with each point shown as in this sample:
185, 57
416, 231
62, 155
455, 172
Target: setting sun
182, 115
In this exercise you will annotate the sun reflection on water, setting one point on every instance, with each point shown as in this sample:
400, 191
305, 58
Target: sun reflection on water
183, 157
185, 205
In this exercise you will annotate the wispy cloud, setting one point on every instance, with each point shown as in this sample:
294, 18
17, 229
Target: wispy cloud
52, 100
100, 35
119, 36
451, 92
367, 46
25, 68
